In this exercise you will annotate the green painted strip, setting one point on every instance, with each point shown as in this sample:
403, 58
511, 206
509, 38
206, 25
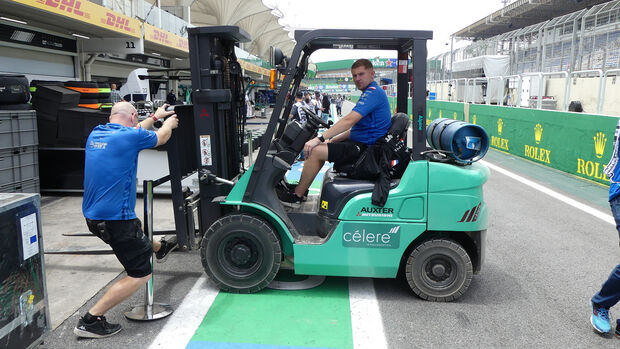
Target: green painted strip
319, 317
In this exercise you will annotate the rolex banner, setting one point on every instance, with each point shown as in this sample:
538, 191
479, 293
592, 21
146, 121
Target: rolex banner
580, 144
435, 109
438, 109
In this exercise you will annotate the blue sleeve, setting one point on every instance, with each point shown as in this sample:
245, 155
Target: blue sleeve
368, 102
145, 139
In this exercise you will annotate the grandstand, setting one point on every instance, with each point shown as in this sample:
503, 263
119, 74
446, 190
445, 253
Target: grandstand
562, 43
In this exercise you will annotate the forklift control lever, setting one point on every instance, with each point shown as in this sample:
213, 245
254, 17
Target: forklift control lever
206, 175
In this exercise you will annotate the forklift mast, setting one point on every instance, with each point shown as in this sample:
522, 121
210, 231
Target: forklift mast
219, 111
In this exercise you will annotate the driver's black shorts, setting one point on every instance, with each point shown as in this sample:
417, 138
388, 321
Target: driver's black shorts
345, 152
129, 243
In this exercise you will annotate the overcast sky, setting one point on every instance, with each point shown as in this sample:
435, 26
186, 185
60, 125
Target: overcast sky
443, 17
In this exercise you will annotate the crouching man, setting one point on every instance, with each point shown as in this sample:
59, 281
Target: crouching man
109, 205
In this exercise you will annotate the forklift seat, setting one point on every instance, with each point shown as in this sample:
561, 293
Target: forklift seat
338, 190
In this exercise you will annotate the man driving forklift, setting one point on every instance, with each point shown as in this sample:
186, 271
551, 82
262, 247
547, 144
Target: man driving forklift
347, 139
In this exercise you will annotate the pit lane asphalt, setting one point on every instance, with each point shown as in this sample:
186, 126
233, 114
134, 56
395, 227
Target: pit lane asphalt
545, 260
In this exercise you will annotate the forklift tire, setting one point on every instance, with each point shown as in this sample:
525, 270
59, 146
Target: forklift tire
241, 253
439, 270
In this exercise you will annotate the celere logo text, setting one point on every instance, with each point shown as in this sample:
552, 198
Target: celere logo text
371, 235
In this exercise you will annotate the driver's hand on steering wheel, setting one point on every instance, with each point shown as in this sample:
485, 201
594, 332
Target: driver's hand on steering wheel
310, 145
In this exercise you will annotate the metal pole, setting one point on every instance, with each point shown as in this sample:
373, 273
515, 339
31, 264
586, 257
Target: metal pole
603, 88
149, 310
541, 87
148, 219
540, 50
572, 59
250, 147
581, 40
451, 54
519, 88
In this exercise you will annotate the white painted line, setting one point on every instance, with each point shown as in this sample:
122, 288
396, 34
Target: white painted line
185, 320
365, 316
576, 204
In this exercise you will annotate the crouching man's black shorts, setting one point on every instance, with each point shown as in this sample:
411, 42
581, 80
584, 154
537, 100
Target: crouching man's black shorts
129, 243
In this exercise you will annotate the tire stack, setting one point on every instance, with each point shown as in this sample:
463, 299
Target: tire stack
75, 124
48, 100
14, 92
89, 93
62, 164
34, 84
105, 103
66, 114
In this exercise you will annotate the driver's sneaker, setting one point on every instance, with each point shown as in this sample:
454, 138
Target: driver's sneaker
167, 246
99, 328
290, 199
284, 186
600, 319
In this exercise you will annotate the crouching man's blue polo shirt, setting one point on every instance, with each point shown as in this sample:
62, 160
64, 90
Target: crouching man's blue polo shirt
110, 170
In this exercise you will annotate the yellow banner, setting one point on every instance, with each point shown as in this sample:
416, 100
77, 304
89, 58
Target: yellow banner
90, 13
253, 67
163, 37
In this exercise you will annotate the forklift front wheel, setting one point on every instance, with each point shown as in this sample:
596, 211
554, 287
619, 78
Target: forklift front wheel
439, 270
241, 253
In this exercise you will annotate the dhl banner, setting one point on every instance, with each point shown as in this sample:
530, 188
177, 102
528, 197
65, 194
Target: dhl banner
90, 13
253, 68
165, 38
576, 143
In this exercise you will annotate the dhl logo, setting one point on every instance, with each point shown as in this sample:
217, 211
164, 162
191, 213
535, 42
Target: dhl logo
69, 6
183, 44
160, 36
116, 21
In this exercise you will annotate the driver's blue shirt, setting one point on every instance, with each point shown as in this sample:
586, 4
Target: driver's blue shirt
110, 169
376, 118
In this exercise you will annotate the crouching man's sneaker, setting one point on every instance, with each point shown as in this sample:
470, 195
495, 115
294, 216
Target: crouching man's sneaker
167, 246
99, 328
617, 332
600, 319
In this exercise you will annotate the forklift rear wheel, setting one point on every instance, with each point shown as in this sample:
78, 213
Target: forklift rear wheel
241, 253
439, 270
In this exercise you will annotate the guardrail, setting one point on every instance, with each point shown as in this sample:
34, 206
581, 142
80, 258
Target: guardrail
468, 89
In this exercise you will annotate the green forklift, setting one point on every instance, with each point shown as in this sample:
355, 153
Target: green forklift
431, 230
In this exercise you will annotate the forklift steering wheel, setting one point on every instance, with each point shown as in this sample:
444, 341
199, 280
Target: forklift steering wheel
315, 118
